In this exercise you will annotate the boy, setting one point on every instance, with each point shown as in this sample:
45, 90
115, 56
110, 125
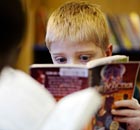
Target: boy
77, 33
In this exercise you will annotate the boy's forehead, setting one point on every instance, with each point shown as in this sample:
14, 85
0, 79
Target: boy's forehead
72, 44
60, 46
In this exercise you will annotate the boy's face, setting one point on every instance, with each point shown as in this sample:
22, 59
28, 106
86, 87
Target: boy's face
67, 52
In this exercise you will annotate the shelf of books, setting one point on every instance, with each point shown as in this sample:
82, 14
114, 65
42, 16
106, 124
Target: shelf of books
124, 32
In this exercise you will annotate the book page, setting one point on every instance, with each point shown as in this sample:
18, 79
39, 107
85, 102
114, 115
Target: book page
57, 66
109, 59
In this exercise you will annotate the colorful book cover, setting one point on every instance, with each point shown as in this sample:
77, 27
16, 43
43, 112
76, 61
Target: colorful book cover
115, 82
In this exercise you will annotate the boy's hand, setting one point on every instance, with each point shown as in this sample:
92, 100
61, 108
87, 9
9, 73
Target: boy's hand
130, 113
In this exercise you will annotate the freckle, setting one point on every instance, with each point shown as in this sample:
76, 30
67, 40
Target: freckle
69, 23
95, 13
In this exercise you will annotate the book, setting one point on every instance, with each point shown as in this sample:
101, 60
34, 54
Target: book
113, 77
63, 79
128, 28
126, 39
116, 30
134, 22
112, 37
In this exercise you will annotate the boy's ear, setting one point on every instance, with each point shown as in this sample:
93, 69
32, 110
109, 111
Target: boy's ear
109, 50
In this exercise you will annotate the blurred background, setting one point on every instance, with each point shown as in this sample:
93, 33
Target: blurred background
123, 17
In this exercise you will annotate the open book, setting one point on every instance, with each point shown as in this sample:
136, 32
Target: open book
114, 77
63, 79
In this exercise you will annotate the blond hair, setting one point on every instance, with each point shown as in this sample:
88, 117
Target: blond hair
78, 21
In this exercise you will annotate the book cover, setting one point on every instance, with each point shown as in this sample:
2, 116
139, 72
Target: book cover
115, 82
61, 80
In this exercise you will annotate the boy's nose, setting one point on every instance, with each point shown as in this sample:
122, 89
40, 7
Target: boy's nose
73, 61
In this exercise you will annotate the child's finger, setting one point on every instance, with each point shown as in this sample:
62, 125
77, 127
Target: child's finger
126, 113
132, 104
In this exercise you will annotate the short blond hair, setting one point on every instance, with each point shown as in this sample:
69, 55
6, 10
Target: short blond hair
78, 21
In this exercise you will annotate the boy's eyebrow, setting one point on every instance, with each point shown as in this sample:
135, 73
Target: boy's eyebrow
78, 52
57, 53
86, 51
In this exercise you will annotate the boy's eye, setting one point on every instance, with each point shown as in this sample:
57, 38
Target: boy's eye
85, 58
61, 60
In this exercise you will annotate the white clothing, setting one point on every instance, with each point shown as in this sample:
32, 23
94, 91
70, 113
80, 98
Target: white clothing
23, 102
